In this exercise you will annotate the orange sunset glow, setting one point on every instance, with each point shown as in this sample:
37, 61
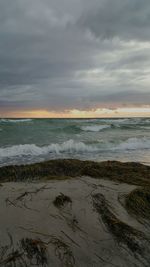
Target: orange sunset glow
75, 113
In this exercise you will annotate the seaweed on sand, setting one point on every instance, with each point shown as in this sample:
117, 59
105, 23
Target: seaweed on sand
122, 232
29, 252
138, 202
132, 173
35, 251
21, 200
62, 249
62, 200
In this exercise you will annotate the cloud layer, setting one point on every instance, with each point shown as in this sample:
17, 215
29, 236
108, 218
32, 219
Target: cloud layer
60, 55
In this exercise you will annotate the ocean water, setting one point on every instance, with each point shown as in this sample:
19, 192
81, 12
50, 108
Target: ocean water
32, 140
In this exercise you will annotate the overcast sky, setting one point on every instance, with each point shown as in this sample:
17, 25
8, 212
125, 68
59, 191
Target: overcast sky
59, 55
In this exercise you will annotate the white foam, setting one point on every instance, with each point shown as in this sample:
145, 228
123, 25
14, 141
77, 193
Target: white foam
95, 128
69, 146
134, 144
15, 121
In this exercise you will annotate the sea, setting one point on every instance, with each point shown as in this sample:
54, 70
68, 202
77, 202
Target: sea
24, 141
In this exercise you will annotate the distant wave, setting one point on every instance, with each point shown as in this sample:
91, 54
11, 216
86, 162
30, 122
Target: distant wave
15, 120
134, 144
131, 122
95, 128
114, 120
69, 146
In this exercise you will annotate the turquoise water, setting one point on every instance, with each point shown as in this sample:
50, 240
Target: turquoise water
32, 140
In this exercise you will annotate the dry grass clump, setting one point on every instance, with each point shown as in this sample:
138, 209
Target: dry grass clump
138, 202
34, 252
62, 200
29, 252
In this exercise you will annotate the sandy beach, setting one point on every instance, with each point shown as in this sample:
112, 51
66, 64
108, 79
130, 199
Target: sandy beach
72, 221
74, 133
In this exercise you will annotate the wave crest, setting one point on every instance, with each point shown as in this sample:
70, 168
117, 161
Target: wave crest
69, 146
72, 147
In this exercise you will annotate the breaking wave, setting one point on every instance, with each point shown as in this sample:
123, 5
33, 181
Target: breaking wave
69, 146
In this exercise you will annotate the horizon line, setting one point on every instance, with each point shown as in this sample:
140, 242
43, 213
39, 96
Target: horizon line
74, 118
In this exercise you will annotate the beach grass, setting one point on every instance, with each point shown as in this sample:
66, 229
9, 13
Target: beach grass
131, 173
138, 202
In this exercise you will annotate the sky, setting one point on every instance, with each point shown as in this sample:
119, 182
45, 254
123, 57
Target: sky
74, 58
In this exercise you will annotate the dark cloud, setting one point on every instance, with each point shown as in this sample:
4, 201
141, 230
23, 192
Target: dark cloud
123, 19
65, 54
124, 98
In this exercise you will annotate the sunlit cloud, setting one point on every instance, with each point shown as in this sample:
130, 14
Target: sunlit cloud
75, 113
